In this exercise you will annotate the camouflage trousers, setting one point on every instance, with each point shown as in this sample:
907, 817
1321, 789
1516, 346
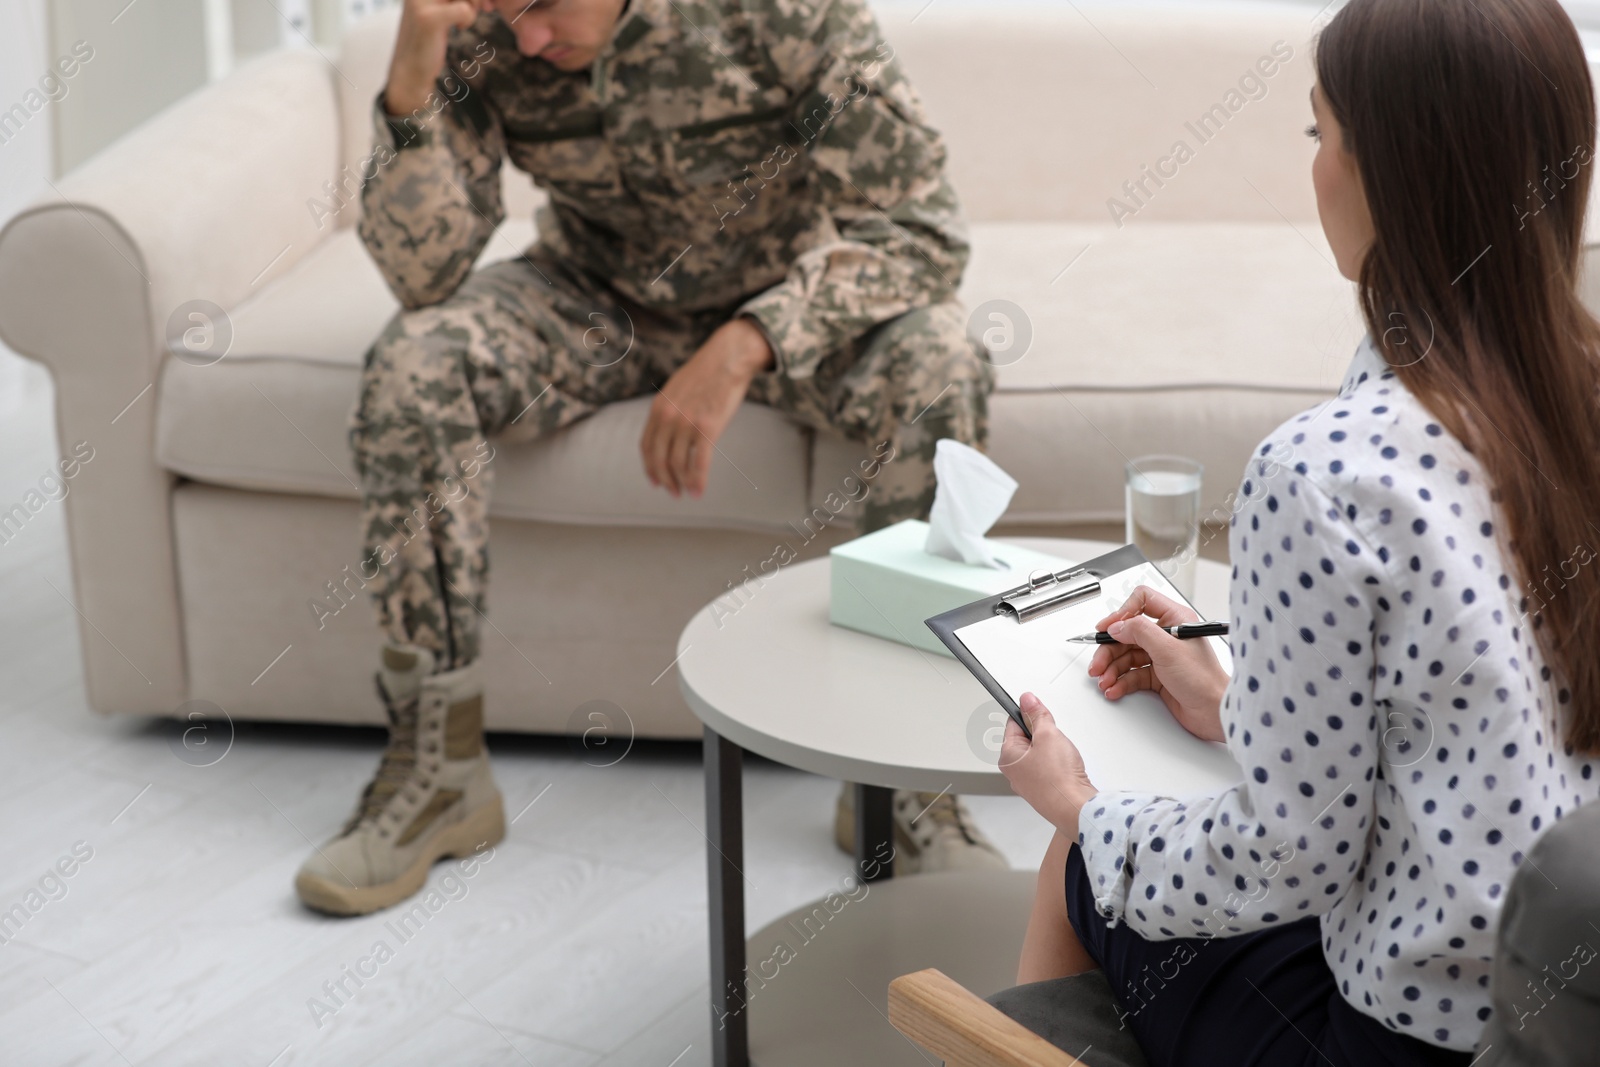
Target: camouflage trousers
527, 346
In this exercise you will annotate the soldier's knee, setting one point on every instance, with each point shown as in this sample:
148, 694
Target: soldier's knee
934, 344
408, 366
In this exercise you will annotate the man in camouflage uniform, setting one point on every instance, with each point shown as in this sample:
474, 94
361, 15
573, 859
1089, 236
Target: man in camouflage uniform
744, 202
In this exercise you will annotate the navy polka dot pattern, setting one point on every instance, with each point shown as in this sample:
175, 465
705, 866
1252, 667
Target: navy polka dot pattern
1390, 711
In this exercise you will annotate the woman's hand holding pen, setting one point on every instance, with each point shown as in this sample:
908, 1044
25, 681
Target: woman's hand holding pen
1048, 770
1185, 674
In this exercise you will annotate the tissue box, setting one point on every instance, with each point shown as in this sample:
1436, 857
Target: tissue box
886, 584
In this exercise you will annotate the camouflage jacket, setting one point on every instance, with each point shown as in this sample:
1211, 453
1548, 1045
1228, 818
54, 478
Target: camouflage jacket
760, 157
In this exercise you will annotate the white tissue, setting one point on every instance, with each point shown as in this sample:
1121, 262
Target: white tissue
971, 495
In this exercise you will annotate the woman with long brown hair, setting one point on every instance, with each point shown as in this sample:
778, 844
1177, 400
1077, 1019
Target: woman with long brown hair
1414, 598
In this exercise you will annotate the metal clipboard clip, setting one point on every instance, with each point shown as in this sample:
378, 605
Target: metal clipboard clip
1049, 592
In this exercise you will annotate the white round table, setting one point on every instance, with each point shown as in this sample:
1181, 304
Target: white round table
766, 671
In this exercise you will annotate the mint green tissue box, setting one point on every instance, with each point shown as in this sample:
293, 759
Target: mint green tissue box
885, 584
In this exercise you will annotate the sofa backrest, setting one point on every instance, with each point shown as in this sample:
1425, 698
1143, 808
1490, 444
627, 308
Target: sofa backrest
1049, 109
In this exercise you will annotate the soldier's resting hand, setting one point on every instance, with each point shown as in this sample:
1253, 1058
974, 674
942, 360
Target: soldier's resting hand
693, 409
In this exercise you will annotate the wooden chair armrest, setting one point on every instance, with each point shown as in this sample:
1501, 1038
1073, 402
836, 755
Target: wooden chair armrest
937, 1013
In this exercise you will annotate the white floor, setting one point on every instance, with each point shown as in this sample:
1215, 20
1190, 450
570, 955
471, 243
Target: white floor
179, 940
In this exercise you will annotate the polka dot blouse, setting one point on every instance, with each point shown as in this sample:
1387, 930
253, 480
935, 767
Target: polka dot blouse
1389, 709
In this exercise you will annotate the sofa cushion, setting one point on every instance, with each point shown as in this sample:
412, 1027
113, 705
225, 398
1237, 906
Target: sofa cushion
1167, 304
272, 414
1195, 338
1188, 338
1079, 1015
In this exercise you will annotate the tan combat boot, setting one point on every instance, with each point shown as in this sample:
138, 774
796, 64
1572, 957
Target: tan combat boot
932, 832
432, 796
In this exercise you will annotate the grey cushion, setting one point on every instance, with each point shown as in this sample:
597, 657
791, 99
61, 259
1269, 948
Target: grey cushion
1549, 939
1077, 1015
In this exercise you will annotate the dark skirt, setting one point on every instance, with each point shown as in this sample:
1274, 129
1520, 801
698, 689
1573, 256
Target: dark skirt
1264, 998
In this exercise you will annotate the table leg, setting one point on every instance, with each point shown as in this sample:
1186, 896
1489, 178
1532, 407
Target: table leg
730, 1025
874, 832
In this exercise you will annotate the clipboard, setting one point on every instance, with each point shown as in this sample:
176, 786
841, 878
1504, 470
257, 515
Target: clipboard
1015, 642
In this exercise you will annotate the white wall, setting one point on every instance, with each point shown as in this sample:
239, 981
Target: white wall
147, 54
156, 51
26, 150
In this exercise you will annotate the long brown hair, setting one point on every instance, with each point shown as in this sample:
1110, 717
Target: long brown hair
1472, 124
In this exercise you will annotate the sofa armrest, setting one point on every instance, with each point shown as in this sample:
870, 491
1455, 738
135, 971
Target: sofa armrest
206, 201
212, 194
941, 1016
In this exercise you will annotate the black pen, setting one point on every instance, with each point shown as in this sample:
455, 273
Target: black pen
1181, 630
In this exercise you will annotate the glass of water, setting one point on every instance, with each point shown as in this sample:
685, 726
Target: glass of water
1163, 515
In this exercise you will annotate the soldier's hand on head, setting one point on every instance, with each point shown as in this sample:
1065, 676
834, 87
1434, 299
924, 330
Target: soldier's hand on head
693, 409
419, 49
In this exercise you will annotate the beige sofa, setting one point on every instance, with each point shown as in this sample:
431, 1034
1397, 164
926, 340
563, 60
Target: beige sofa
220, 500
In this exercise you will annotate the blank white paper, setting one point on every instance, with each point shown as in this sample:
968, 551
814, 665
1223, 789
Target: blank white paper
1129, 744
